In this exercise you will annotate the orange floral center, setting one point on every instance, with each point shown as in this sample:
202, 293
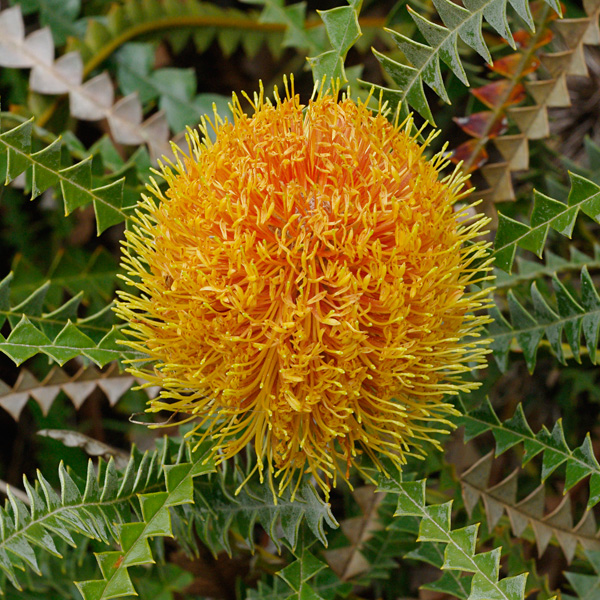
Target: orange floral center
304, 286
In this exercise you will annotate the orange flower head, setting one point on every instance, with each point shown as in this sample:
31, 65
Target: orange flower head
305, 287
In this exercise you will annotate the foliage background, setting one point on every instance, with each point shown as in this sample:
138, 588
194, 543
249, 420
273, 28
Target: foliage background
90, 98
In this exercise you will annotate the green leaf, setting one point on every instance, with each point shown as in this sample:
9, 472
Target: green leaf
54, 333
218, 509
94, 507
134, 63
76, 182
580, 462
450, 583
342, 27
23, 342
529, 271
547, 213
422, 60
291, 17
409, 81
300, 571
343, 30
133, 537
585, 585
107, 204
93, 276
46, 166
325, 585
174, 88
16, 144
572, 318
59, 15
460, 544
507, 237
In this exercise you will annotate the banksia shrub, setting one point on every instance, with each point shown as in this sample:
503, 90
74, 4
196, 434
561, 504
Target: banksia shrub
308, 285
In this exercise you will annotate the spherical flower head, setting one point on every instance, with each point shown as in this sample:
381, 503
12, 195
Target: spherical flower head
305, 287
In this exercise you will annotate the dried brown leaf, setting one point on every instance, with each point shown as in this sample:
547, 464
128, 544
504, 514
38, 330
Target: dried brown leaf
502, 498
89, 445
77, 387
91, 100
347, 562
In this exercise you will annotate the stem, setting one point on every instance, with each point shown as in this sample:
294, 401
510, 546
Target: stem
174, 22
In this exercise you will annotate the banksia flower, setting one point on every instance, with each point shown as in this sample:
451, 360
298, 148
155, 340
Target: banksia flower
303, 286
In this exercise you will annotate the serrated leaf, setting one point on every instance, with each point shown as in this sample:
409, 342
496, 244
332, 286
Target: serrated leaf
460, 545
579, 462
424, 59
343, 30
408, 79
46, 164
301, 570
23, 342
17, 145
76, 182
342, 27
134, 536
571, 317
54, 334
502, 498
547, 213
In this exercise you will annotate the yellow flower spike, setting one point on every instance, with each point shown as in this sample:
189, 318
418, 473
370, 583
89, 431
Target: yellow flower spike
305, 287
